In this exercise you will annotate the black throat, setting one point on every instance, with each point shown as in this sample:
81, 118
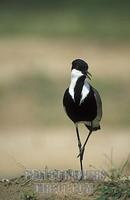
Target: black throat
78, 89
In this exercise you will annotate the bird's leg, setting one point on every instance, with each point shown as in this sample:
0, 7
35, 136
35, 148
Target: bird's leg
80, 148
81, 167
83, 148
81, 154
79, 141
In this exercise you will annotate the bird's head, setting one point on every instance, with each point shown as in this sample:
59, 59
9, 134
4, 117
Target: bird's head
80, 67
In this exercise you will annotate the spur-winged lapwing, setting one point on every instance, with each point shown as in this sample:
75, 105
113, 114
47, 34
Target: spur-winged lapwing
82, 103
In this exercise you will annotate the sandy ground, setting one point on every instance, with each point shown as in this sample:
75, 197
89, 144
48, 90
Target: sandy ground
53, 57
30, 149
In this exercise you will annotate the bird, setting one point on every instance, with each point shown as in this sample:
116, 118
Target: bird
82, 104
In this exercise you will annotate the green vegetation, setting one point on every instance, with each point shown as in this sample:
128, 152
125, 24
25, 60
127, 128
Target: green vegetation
28, 196
99, 20
114, 190
116, 186
37, 100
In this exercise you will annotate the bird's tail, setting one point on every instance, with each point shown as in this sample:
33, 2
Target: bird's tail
93, 125
90, 128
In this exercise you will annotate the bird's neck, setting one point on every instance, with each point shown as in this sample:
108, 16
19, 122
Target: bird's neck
78, 82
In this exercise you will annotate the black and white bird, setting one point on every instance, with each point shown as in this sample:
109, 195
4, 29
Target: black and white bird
82, 103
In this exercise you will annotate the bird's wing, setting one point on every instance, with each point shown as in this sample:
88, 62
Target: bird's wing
96, 121
99, 104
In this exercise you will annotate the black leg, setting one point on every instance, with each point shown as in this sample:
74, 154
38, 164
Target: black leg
83, 148
80, 148
79, 141
81, 154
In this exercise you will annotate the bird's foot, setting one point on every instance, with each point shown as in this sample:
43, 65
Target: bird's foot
81, 178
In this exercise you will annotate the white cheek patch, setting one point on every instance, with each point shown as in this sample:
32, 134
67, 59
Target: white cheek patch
85, 91
75, 74
71, 92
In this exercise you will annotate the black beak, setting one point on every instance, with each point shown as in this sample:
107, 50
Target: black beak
88, 75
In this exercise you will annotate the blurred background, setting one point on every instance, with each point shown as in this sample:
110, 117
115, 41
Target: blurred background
38, 41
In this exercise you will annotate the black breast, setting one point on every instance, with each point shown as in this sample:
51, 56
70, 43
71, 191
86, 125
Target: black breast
87, 111
78, 89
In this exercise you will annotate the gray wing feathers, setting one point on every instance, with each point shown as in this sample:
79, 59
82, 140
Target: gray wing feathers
99, 104
96, 121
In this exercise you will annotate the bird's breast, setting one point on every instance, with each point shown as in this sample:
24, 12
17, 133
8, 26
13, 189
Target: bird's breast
85, 91
79, 89
86, 111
